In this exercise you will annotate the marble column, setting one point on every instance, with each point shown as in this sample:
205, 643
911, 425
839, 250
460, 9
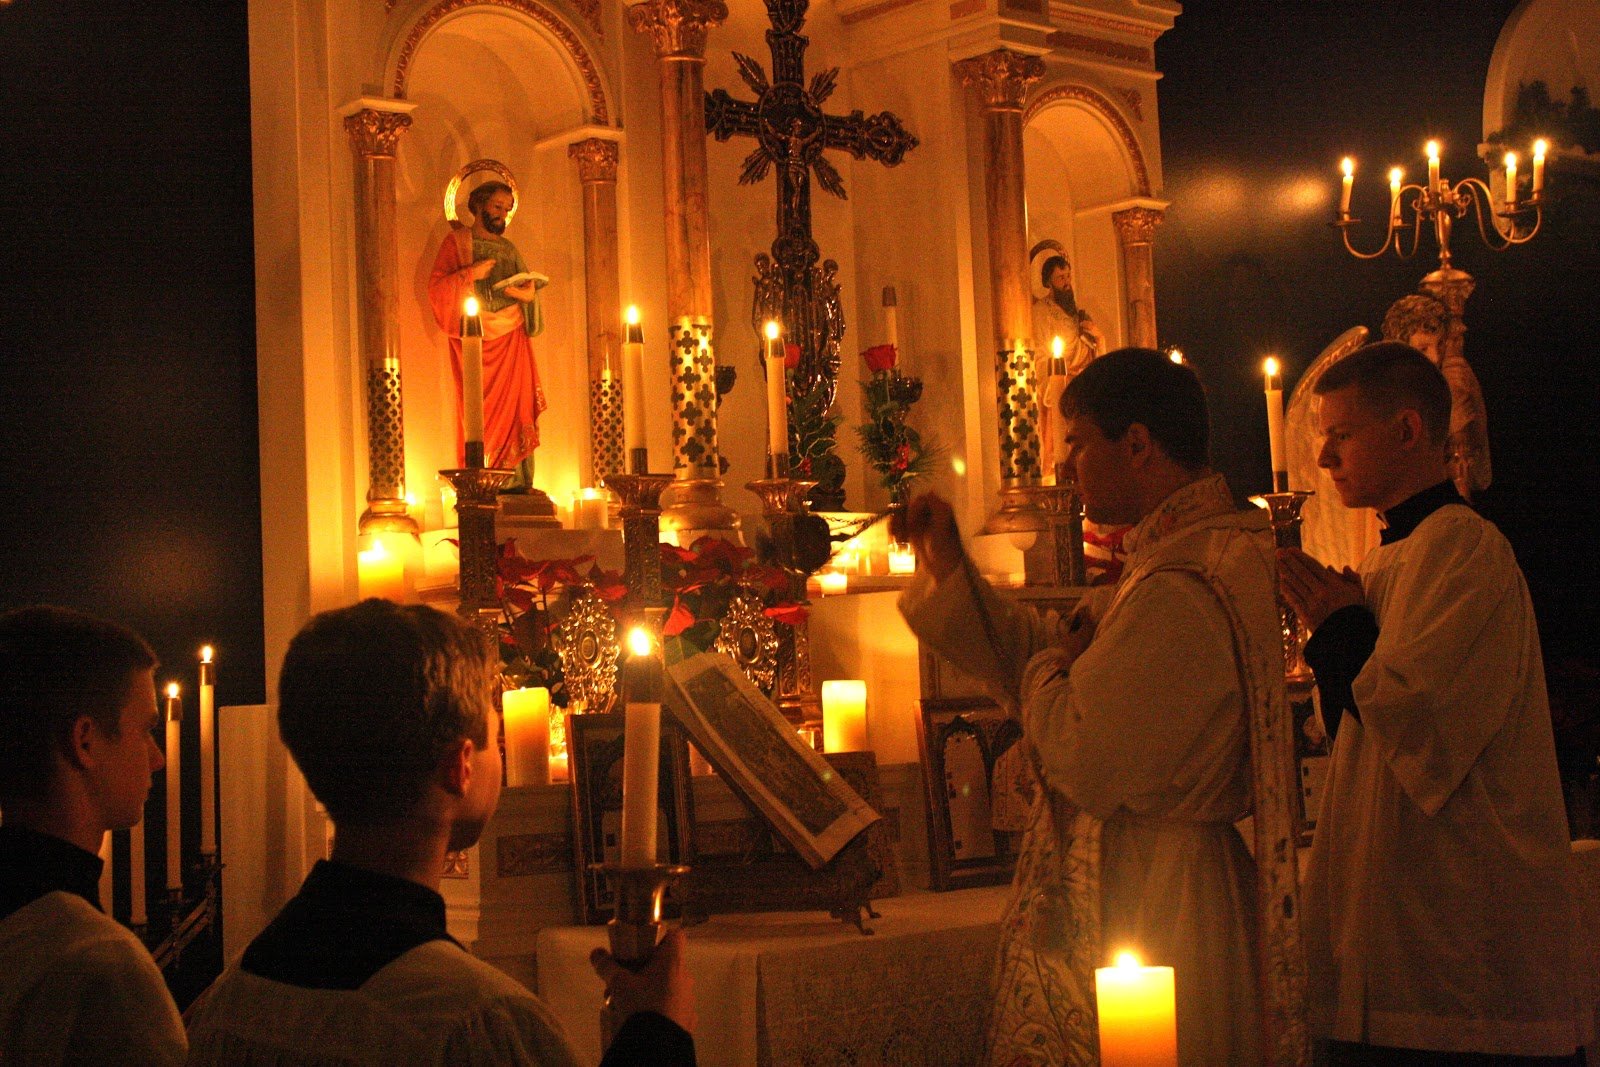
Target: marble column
596, 159
374, 127
1136, 228
678, 30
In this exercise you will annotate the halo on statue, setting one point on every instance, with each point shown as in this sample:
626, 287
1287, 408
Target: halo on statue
1036, 257
452, 192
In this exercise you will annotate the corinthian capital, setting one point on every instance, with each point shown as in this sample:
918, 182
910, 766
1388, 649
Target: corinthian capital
1137, 225
678, 27
596, 158
1001, 78
375, 133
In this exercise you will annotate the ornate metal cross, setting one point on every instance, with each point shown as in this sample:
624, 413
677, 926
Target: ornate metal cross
792, 132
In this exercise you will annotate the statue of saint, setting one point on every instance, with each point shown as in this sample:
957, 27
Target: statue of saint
479, 261
1057, 314
1424, 322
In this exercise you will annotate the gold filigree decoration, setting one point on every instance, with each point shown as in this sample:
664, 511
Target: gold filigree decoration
375, 134
599, 111
677, 27
596, 158
452, 192
588, 642
1097, 102
1001, 77
750, 639
1137, 225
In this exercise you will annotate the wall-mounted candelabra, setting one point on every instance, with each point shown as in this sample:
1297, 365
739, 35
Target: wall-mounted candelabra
1510, 220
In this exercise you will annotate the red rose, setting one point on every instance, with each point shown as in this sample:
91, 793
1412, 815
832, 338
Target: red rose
791, 356
880, 358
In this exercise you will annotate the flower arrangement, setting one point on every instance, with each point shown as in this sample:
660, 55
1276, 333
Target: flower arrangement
526, 588
704, 578
893, 449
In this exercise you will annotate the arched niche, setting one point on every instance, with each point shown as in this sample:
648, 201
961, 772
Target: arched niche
1553, 41
511, 81
1082, 163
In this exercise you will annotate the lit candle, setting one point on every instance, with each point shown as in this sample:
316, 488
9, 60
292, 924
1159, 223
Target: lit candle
633, 382
832, 583
1432, 148
1539, 149
1058, 350
891, 317
1137, 1014
527, 730
1176, 355
844, 716
641, 748
1511, 180
777, 393
1280, 462
380, 573
208, 753
1396, 175
447, 505
174, 718
137, 914
589, 509
1347, 165
558, 766
902, 558
472, 370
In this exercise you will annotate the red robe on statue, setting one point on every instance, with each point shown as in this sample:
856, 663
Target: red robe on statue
512, 395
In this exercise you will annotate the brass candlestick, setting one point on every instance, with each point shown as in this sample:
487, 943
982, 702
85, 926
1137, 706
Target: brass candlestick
1056, 556
1283, 510
783, 505
635, 926
477, 502
640, 494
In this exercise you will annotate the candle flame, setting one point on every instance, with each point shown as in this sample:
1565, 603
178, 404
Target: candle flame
1270, 365
591, 493
631, 316
172, 690
1511, 159
469, 307
1432, 148
958, 466
1176, 355
1128, 960
205, 653
1347, 165
640, 642
1540, 147
772, 329
1057, 346
1396, 175
377, 552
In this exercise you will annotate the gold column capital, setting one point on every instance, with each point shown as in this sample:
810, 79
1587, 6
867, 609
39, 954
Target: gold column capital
678, 27
374, 133
1001, 78
596, 158
1137, 225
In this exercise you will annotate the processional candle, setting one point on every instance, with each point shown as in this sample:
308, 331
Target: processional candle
1138, 1015
641, 748
174, 717
471, 370
777, 393
208, 753
844, 716
527, 729
633, 384
1280, 461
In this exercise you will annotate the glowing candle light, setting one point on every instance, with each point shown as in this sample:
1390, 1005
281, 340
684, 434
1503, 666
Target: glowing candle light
208, 753
472, 371
527, 729
902, 559
1275, 425
832, 583
633, 385
1176, 355
1511, 180
1432, 148
777, 393
1347, 165
641, 748
380, 573
1058, 349
1539, 148
174, 719
1396, 175
1137, 1014
844, 716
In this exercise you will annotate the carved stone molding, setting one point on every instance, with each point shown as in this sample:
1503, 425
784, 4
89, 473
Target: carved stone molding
1137, 225
1099, 46
1100, 22
1134, 101
374, 134
1096, 101
596, 158
1001, 78
678, 27
599, 111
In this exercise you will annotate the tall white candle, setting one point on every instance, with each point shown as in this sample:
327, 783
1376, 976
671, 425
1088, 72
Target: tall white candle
633, 382
1280, 453
641, 749
1511, 180
844, 716
174, 788
472, 370
1347, 165
891, 317
137, 915
777, 393
1432, 149
1137, 1014
1395, 177
1539, 149
527, 730
208, 753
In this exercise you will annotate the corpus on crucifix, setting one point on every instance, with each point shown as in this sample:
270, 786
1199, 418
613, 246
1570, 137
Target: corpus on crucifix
792, 132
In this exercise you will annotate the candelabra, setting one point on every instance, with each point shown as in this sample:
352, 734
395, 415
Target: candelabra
1440, 203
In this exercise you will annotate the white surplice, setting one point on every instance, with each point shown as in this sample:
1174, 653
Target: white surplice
1439, 909
76, 987
1143, 744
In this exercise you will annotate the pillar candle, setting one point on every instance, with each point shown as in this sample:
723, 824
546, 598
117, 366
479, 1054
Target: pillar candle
844, 716
558, 767
1395, 177
633, 382
174, 719
1348, 166
891, 317
832, 583
641, 748
380, 573
471, 370
1432, 148
1138, 1019
777, 393
208, 753
527, 730
1280, 454
137, 914
1539, 149
902, 559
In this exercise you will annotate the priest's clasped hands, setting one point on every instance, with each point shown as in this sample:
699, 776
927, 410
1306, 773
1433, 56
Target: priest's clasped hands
1314, 590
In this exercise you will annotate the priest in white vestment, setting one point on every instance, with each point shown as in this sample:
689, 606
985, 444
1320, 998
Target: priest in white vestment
1439, 905
1134, 710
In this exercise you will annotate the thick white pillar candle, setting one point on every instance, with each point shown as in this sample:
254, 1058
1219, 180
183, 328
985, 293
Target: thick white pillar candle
832, 583
1280, 453
641, 748
1348, 166
844, 716
527, 730
891, 317
380, 573
208, 753
137, 914
174, 719
1138, 1017
633, 382
777, 393
471, 370
902, 558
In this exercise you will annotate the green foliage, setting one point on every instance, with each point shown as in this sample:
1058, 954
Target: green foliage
813, 430
893, 449
1536, 114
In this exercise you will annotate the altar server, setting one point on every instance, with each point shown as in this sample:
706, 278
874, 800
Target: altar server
1135, 710
77, 711
388, 712
1440, 915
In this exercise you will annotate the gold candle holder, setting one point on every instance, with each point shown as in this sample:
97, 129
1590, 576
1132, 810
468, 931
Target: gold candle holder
635, 926
641, 532
477, 502
1283, 510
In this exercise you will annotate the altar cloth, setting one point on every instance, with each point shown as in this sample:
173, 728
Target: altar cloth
781, 988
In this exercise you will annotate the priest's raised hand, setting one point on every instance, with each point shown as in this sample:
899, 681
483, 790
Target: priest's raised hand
928, 524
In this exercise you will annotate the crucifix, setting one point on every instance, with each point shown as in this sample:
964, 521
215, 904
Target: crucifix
792, 132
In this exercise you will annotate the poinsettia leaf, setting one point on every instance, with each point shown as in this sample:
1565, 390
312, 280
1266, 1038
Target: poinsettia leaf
788, 614
680, 619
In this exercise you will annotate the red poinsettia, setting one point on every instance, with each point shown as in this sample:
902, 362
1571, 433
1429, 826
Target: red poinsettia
881, 358
791, 356
788, 614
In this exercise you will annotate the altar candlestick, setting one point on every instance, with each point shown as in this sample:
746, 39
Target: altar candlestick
527, 729
1280, 461
1511, 180
633, 382
1137, 1014
844, 716
1396, 175
137, 915
641, 749
777, 394
472, 370
891, 317
380, 573
1347, 165
1539, 149
208, 753
174, 719
1432, 148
